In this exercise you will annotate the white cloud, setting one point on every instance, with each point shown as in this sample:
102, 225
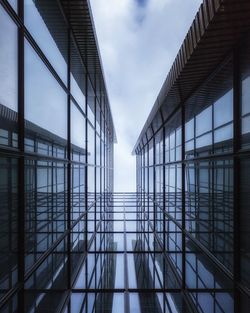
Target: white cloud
138, 44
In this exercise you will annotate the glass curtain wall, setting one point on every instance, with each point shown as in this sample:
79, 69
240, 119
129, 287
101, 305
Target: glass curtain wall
193, 182
56, 153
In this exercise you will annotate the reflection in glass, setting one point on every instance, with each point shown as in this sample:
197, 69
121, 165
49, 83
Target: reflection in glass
223, 109
204, 121
49, 33
45, 100
46, 213
245, 221
77, 129
8, 62
8, 222
77, 78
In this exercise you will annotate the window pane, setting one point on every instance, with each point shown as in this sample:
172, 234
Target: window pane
91, 145
8, 61
245, 88
223, 109
204, 121
8, 222
49, 32
13, 3
189, 130
246, 125
223, 133
45, 207
45, 100
77, 78
204, 140
77, 127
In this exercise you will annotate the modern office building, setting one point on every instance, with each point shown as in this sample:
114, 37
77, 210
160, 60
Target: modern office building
193, 162
56, 150
68, 244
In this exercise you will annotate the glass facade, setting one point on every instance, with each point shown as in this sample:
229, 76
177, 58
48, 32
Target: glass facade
56, 155
68, 242
192, 178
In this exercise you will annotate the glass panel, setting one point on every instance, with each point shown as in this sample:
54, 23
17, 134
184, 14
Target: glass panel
8, 62
77, 129
223, 133
223, 109
45, 207
91, 145
49, 31
203, 141
189, 130
119, 271
220, 302
13, 3
245, 89
77, 78
44, 98
246, 125
8, 221
204, 121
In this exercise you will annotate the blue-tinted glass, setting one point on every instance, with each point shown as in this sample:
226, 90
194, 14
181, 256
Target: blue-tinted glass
91, 145
77, 127
245, 127
223, 109
189, 130
8, 221
204, 121
76, 302
8, 61
45, 100
134, 303
203, 141
118, 303
91, 179
77, 78
13, 3
245, 90
151, 156
178, 137
172, 140
119, 271
76, 92
49, 32
223, 133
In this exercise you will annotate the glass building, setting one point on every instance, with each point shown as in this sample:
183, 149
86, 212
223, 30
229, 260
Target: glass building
56, 150
193, 163
68, 243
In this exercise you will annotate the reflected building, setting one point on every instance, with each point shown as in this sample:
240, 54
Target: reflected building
68, 243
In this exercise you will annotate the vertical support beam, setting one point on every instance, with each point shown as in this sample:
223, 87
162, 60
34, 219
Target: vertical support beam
147, 151
21, 162
154, 183
236, 166
70, 196
86, 165
95, 168
104, 154
164, 205
86, 185
183, 196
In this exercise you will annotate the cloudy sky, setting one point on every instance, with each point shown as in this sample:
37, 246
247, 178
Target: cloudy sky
138, 41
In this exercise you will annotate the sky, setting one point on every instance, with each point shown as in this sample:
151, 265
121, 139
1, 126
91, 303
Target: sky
138, 41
